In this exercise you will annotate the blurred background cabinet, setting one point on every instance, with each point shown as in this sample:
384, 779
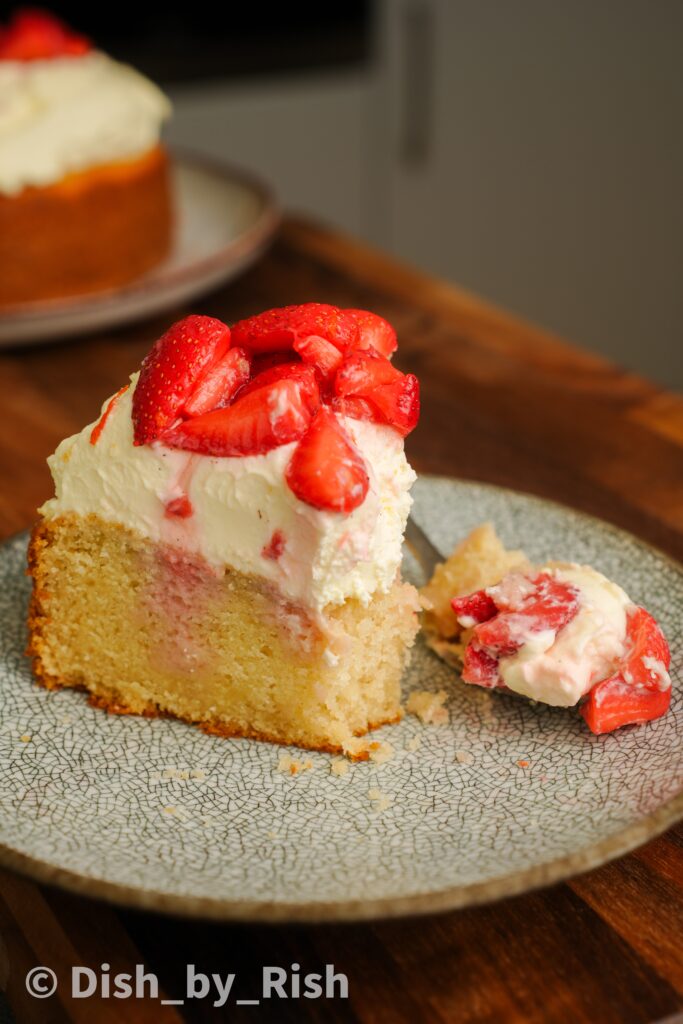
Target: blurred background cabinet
531, 151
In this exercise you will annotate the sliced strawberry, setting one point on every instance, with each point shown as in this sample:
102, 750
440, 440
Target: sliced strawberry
322, 354
326, 470
546, 604
474, 608
36, 35
398, 403
272, 415
362, 371
394, 396
640, 689
303, 375
278, 329
356, 409
480, 667
374, 331
220, 384
265, 360
171, 370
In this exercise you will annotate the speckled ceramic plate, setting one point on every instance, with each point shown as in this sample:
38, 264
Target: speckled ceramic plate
154, 813
224, 219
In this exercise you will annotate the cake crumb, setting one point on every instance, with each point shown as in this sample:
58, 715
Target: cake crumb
170, 810
414, 744
287, 763
380, 800
380, 752
339, 766
429, 707
464, 757
273, 835
198, 773
25, 738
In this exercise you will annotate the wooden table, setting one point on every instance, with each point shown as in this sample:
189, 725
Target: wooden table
502, 402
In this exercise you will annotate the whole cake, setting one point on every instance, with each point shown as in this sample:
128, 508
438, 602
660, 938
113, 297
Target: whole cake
224, 543
84, 186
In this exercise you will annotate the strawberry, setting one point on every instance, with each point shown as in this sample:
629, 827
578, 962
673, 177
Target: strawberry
326, 470
363, 370
355, 408
322, 354
480, 667
547, 603
394, 397
474, 608
171, 371
273, 414
264, 360
278, 329
398, 403
302, 374
35, 35
374, 331
505, 616
639, 690
219, 384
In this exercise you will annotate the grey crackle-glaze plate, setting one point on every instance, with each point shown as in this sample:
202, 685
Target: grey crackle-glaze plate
84, 803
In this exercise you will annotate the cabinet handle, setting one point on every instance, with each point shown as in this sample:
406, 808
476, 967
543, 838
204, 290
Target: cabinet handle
417, 89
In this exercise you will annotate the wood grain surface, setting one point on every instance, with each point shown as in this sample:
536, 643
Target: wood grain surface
502, 402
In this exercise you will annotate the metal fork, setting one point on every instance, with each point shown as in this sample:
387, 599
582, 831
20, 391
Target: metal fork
421, 546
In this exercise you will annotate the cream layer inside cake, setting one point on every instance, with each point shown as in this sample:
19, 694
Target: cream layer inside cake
67, 114
239, 505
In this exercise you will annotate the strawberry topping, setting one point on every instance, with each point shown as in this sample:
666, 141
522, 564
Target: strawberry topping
274, 414
278, 378
302, 375
390, 396
322, 354
172, 370
33, 34
546, 603
639, 690
326, 470
220, 384
278, 329
374, 331
362, 371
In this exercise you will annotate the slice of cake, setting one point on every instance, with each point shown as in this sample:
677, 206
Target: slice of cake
224, 543
84, 185
559, 633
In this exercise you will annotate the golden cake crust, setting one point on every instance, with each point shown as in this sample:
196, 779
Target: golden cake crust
95, 230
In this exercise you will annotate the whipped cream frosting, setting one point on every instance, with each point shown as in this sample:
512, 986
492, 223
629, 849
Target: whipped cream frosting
559, 668
66, 114
240, 504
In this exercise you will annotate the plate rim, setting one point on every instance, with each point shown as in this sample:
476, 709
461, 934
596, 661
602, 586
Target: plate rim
250, 242
417, 904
